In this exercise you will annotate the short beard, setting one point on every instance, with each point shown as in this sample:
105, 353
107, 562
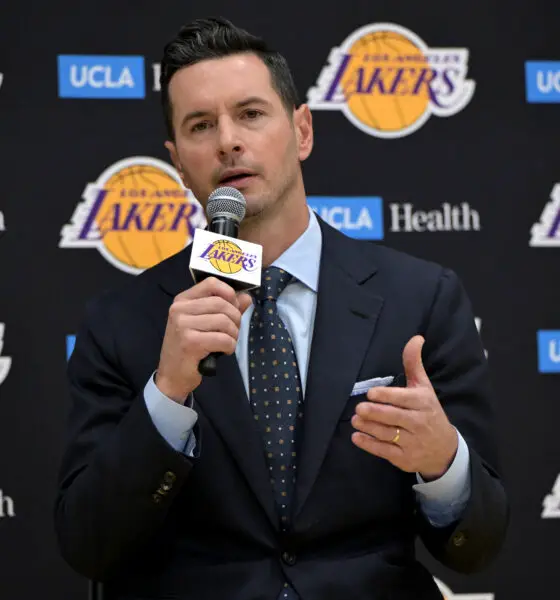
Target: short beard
266, 209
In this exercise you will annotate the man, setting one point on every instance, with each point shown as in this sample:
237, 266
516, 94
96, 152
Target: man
350, 412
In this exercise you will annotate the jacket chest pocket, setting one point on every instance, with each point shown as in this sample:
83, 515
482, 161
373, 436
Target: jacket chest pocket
361, 395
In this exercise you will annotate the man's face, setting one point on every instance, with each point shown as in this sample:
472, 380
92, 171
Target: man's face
231, 129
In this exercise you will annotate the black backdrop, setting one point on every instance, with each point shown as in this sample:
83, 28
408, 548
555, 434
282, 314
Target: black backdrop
498, 155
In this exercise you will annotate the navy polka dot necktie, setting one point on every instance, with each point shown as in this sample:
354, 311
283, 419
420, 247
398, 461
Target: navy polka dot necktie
275, 392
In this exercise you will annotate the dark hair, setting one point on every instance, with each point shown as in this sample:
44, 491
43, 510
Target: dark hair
216, 37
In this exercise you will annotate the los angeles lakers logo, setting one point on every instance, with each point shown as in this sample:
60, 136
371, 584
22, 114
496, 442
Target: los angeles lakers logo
136, 214
388, 82
227, 257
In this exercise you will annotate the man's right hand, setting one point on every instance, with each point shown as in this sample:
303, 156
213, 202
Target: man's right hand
203, 319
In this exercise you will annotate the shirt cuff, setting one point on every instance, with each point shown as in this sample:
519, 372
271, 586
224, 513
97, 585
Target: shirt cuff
175, 422
444, 500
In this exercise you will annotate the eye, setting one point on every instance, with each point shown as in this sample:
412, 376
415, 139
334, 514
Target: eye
252, 114
200, 126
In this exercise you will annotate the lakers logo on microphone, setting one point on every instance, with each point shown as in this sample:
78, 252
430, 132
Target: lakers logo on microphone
388, 82
136, 214
227, 257
233, 260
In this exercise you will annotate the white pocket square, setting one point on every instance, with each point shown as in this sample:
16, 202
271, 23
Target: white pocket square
361, 387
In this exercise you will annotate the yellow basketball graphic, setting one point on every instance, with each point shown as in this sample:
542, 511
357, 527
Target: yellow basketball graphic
228, 248
388, 82
136, 214
134, 238
379, 55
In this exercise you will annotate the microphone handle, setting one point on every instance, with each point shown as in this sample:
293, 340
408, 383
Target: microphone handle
207, 366
223, 226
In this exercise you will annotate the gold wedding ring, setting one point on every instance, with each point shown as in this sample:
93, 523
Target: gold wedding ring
397, 436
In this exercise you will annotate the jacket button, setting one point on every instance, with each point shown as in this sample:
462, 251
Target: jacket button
459, 539
289, 558
169, 478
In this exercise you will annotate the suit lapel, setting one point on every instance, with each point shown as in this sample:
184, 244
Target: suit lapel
223, 400
344, 324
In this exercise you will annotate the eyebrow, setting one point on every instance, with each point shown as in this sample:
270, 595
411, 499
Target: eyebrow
197, 114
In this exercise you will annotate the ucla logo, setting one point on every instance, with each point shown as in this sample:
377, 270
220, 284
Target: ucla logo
388, 82
227, 257
542, 81
70, 343
548, 342
360, 217
101, 76
136, 214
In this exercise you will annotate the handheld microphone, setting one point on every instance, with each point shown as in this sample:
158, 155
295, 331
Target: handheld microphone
225, 210
216, 252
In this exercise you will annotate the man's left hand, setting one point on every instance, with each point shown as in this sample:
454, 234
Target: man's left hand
407, 426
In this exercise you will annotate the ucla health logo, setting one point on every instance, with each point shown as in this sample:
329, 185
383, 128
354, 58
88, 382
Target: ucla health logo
546, 232
7, 508
388, 82
100, 76
542, 81
359, 217
548, 342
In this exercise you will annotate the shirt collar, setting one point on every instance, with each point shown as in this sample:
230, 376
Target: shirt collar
303, 257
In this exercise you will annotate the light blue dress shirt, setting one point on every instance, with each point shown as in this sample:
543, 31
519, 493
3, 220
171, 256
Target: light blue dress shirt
442, 500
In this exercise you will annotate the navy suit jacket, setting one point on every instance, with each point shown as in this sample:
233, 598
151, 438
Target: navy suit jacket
150, 522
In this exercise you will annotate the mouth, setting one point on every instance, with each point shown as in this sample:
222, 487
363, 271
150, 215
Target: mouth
236, 177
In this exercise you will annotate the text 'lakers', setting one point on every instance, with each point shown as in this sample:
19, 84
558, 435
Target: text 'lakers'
227, 257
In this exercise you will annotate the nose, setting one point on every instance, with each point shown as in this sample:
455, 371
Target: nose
228, 138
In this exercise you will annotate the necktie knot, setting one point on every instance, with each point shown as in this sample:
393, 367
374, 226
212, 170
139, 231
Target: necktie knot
273, 282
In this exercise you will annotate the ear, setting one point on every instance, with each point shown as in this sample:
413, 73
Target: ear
303, 124
174, 155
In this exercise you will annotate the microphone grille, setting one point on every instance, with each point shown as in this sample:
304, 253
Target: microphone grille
226, 202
